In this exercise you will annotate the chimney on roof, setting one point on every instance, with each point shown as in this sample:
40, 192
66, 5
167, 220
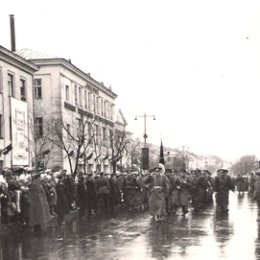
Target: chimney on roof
12, 30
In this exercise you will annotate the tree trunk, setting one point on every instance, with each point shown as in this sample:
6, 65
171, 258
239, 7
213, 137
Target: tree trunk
114, 166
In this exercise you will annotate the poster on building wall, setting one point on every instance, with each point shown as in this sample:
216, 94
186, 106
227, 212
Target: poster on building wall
20, 139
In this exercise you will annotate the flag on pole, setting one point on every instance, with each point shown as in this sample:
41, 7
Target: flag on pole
161, 158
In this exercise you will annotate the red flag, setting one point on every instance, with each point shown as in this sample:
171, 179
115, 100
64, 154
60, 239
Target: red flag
161, 159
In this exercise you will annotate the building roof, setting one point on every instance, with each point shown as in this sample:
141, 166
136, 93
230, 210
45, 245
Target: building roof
42, 59
29, 54
17, 61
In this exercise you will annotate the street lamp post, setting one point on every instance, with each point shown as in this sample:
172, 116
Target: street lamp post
145, 149
145, 117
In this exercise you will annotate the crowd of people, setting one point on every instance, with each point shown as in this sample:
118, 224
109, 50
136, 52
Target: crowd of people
32, 197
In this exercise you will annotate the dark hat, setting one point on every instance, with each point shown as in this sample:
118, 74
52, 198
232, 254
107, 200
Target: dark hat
222, 171
207, 172
19, 170
168, 170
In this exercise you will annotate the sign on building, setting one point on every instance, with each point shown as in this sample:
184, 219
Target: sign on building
20, 135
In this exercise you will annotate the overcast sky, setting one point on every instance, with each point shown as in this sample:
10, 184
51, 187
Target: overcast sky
194, 64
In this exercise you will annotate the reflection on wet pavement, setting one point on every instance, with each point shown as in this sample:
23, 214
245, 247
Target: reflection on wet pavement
205, 235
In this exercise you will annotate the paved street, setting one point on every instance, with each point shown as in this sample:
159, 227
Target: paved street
205, 235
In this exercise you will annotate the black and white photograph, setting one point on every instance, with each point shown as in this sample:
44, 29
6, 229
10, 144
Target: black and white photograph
130, 130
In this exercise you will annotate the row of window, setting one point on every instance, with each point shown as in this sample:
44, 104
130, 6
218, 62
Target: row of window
11, 86
82, 98
87, 100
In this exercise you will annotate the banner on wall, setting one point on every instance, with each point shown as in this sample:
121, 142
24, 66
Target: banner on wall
20, 138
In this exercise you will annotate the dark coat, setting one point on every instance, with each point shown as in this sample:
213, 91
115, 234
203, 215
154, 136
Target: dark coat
39, 208
222, 187
82, 194
91, 197
62, 206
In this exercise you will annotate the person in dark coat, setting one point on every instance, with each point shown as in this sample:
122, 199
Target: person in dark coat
114, 190
240, 184
198, 190
3, 199
251, 183
25, 201
181, 192
62, 206
103, 188
159, 183
130, 189
210, 184
256, 195
70, 189
91, 197
82, 194
39, 208
223, 184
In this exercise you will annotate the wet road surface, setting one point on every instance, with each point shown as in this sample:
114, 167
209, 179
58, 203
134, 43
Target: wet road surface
204, 235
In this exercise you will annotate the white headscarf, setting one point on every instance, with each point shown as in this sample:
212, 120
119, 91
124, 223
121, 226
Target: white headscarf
162, 167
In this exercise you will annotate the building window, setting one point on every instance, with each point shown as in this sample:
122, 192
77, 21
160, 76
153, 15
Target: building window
11, 85
22, 89
80, 128
1, 165
68, 131
86, 99
105, 136
97, 134
89, 132
94, 103
39, 127
102, 107
98, 106
111, 138
111, 111
1, 82
67, 93
1, 126
108, 110
76, 95
38, 88
89, 101
105, 108
80, 97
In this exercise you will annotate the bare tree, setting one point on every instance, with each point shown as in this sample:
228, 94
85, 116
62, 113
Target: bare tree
119, 140
134, 150
75, 139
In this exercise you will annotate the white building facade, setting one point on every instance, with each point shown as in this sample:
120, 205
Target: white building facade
16, 110
64, 92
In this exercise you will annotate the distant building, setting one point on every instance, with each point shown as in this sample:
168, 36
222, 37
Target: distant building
64, 92
16, 110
